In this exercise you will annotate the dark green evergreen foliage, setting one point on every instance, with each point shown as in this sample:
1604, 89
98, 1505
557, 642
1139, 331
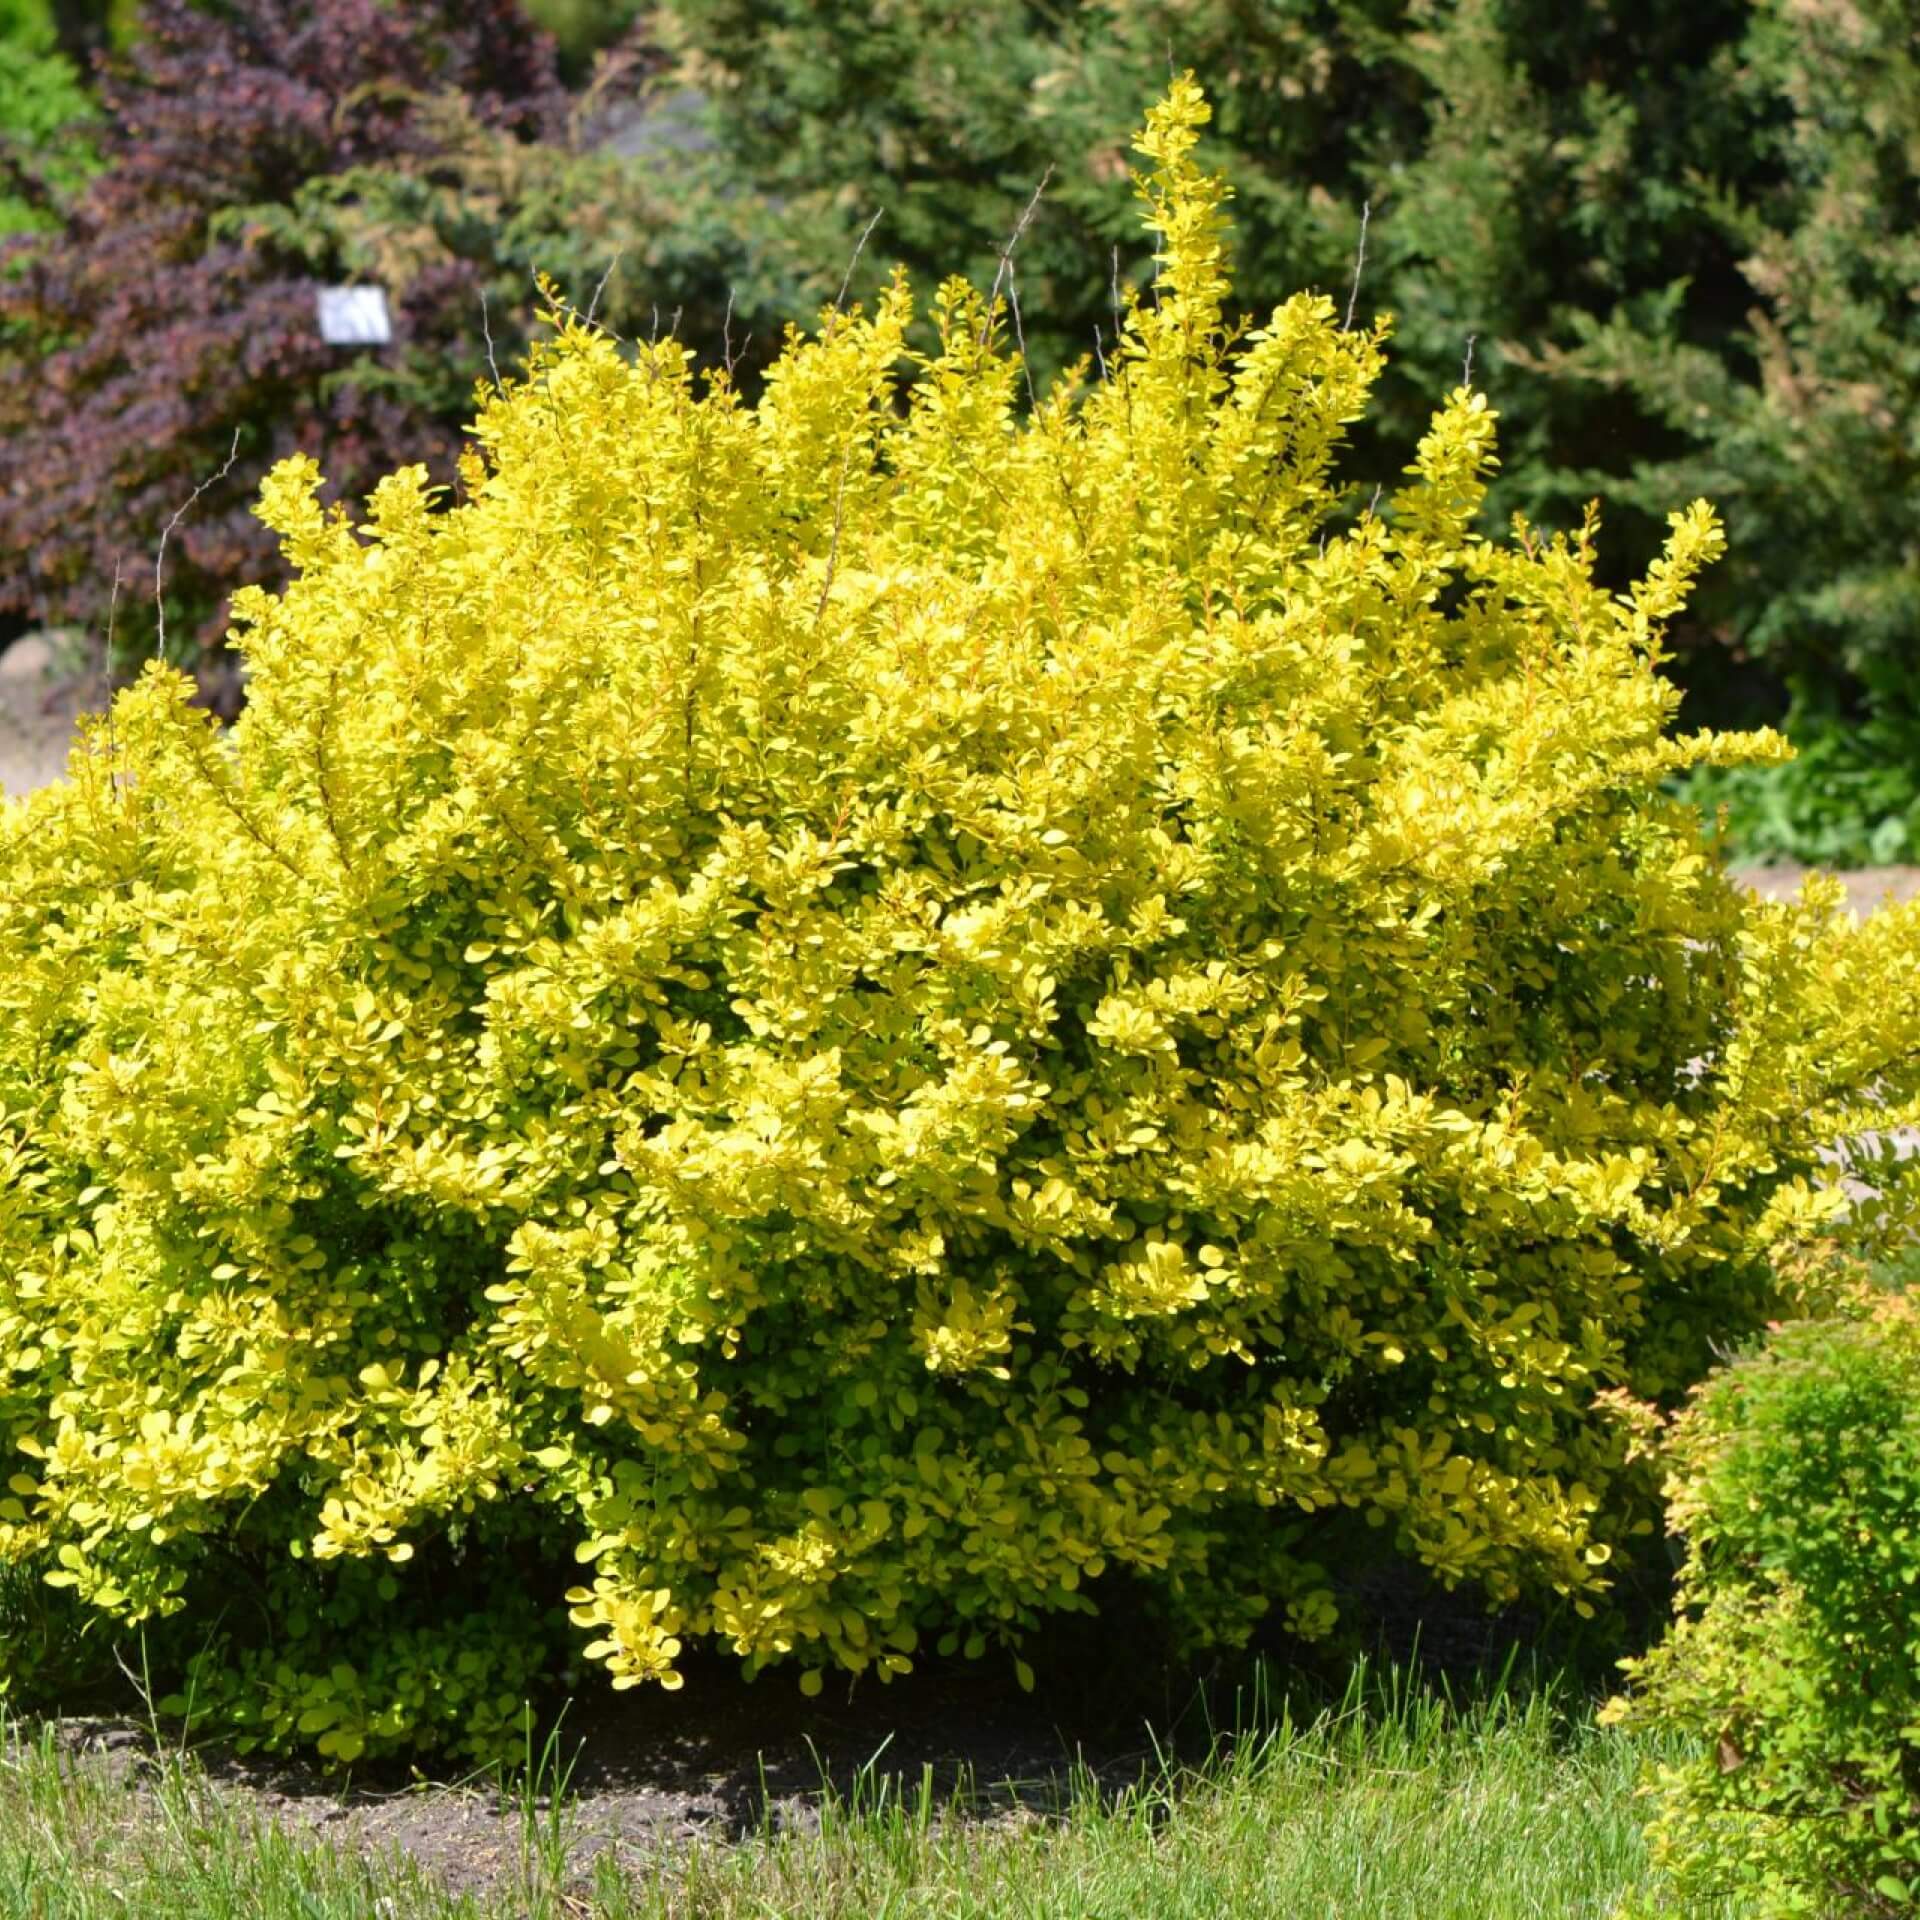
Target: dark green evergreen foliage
1804, 423
945, 117
1523, 162
1683, 241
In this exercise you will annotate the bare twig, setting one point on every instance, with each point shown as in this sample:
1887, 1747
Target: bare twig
1020, 337
106, 683
726, 337
1359, 261
113, 610
1099, 350
486, 330
1466, 372
859, 247
593, 305
166, 533
1006, 252
193, 737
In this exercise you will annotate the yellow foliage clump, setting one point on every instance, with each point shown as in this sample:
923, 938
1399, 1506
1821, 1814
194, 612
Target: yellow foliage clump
812, 1026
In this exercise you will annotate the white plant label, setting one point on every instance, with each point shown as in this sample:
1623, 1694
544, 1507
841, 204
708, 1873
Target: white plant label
354, 316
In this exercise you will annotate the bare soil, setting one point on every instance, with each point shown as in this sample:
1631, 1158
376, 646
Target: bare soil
648, 1772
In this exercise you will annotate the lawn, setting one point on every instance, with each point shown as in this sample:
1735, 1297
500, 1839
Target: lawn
1391, 1806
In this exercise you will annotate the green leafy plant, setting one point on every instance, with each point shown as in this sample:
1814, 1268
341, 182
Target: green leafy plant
1805, 418
1794, 1665
44, 153
1849, 797
829, 1027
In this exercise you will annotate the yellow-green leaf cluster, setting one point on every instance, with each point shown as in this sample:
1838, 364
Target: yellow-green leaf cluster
811, 1027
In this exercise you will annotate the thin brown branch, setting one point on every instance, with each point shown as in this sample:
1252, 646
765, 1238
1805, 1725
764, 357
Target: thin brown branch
1359, 263
1006, 252
166, 533
726, 336
859, 247
593, 305
1020, 338
106, 683
486, 333
193, 732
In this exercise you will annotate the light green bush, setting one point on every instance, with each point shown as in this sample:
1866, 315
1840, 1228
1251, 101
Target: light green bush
43, 105
1795, 1662
824, 1028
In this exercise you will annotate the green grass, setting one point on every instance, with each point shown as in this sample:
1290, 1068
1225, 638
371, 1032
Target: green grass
1391, 1807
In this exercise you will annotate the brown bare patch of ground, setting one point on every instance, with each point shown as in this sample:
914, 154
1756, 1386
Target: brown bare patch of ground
648, 1772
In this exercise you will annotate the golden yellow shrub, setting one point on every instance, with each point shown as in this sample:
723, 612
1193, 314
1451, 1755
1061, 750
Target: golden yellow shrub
813, 1026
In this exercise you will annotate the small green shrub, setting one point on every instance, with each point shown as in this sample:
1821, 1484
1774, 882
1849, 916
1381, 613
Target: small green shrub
1795, 1661
43, 108
826, 1027
1849, 797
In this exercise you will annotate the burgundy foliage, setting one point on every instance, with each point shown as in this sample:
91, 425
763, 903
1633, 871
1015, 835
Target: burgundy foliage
142, 339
